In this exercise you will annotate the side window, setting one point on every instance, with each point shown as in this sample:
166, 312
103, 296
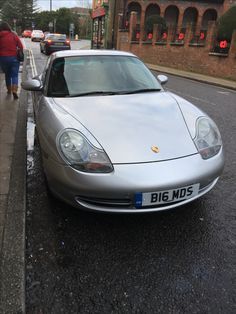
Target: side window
57, 86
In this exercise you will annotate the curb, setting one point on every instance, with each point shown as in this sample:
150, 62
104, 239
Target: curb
12, 286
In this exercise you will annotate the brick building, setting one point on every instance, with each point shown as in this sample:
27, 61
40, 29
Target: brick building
177, 14
185, 40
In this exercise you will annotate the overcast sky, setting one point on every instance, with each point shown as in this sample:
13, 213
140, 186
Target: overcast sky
44, 5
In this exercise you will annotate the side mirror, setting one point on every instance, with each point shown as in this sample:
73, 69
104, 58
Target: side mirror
32, 85
163, 79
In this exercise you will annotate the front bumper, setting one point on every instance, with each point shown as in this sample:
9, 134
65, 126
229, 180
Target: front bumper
115, 192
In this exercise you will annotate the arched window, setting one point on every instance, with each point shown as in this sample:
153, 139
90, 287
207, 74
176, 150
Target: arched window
152, 16
190, 18
133, 7
209, 15
171, 16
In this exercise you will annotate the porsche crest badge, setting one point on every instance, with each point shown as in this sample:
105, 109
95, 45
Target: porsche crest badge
155, 149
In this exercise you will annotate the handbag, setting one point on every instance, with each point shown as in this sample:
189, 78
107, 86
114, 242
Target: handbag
19, 54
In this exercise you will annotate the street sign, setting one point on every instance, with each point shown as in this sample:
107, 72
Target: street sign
72, 26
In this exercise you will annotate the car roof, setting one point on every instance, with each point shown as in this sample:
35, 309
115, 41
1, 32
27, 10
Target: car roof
90, 52
55, 34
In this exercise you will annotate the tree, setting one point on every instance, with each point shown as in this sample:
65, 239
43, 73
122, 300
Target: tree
8, 13
61, 20
20, 11
26, 12
42, 19
64, 17
227, 24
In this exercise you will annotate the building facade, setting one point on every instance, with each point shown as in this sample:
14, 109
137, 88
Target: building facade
179, 34
105, 14
178, 15
109, 16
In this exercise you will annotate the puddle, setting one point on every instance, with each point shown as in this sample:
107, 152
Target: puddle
30, 134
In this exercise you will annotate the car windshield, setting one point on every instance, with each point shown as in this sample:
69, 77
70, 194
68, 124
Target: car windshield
100, 75
56, 37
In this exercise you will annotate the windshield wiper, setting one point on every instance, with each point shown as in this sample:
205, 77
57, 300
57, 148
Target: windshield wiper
143, 90
102, 93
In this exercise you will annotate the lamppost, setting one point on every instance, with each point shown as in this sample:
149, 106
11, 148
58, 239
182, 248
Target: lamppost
14, 21
50, 5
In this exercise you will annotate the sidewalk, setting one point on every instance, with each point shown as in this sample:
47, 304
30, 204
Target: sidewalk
12, 200
194, 76
13, 115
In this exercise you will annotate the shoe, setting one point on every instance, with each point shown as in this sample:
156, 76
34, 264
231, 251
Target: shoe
14, 91
9, 90
15, 96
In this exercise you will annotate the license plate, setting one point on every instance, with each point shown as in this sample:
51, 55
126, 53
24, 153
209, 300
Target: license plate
164, 197
58, 44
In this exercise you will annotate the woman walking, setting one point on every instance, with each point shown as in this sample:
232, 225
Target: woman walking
9, 42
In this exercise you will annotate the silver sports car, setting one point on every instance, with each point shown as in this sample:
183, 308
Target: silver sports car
113, 140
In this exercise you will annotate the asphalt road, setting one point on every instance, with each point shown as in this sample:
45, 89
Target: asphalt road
179, 261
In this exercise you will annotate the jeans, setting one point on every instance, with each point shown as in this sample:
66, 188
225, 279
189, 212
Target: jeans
10, 66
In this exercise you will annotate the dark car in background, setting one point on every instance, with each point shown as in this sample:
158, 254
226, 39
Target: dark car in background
27, 33
54, 42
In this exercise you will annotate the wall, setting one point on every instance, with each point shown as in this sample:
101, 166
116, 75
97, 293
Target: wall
197, 59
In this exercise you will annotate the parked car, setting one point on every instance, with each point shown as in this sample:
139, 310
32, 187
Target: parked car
54, 42
26, 33
37, 35
114, 140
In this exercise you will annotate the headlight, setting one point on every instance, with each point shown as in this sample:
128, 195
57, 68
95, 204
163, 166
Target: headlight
80, 154
207, 139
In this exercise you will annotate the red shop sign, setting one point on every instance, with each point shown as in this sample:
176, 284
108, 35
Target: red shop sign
100, 11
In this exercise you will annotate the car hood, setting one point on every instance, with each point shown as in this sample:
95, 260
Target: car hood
128, 126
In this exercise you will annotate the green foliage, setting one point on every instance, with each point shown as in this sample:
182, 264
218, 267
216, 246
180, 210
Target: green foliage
64, 18
152, 20
227, 24
26, 14
61, 19
42, 20
21, 11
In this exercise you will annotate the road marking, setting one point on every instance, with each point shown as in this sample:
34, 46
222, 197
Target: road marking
224, 93
31, 57
190, 96
32, 63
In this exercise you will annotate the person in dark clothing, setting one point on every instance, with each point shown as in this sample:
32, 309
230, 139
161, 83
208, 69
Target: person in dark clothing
9, 42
